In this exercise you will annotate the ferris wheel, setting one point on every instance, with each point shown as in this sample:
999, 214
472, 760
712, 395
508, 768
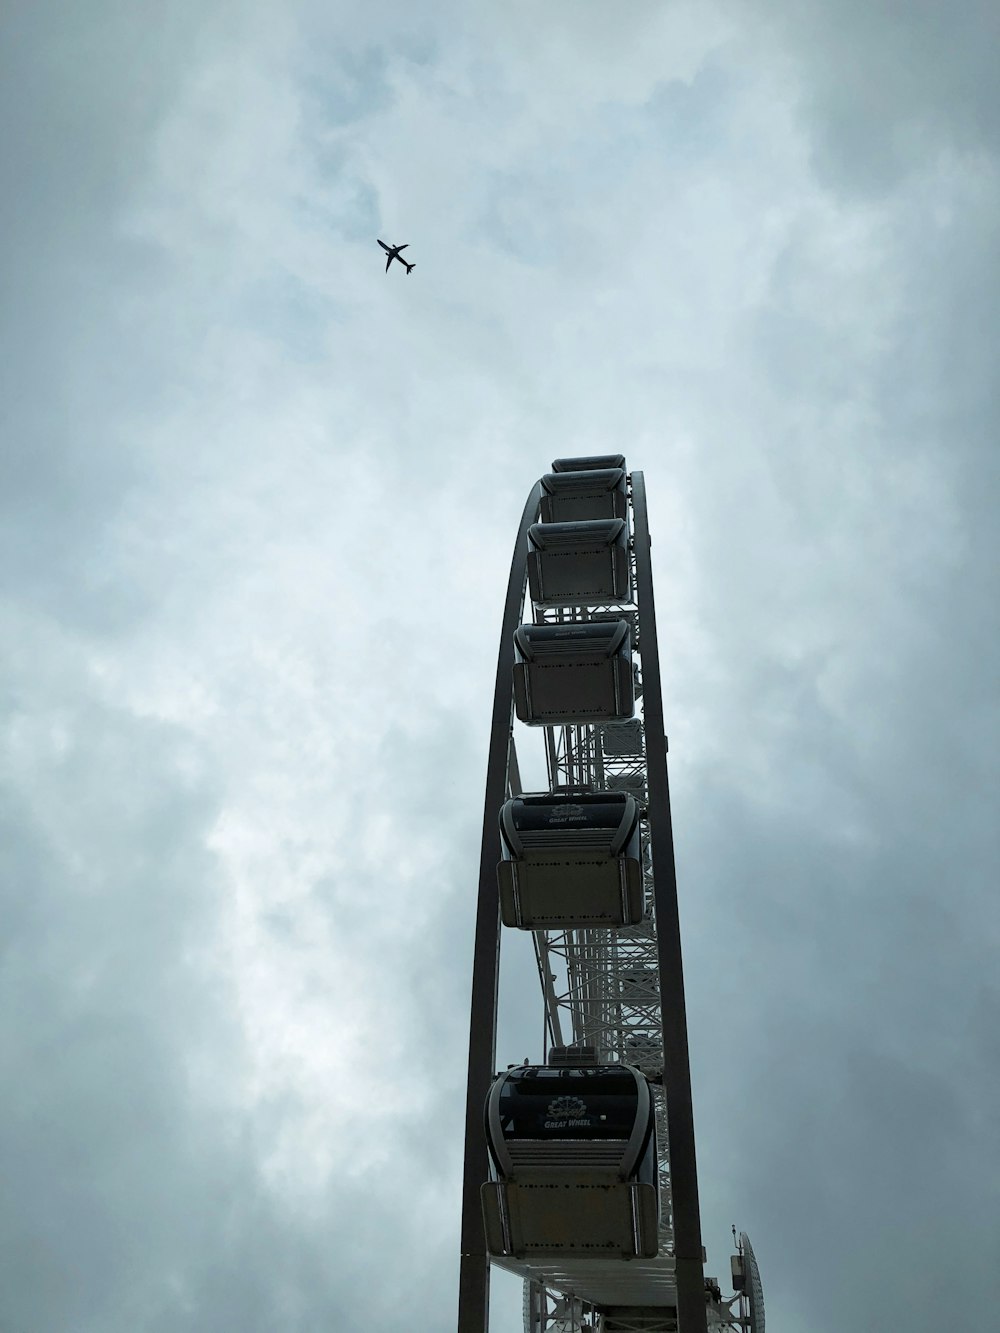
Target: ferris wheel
580, 1171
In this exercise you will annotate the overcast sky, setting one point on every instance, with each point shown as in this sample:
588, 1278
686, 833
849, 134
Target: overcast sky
257, 505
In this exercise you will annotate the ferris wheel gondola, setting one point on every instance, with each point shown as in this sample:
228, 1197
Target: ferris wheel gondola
571, 860
581, 563
573, 673
587, 494
574, 1159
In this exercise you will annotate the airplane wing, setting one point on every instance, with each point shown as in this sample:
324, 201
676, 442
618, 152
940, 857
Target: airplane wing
388, 261
383, 245
402, 247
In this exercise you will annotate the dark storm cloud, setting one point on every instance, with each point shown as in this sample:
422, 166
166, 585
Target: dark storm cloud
132, 1161
857, 978
885, 86
839, 855
107, 900
78, 97
851, 898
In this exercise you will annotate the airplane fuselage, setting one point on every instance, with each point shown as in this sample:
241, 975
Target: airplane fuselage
392, 252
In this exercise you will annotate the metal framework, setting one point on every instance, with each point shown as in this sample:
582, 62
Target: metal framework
620, 991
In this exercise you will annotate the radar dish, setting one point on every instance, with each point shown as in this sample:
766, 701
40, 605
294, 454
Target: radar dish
754, 1290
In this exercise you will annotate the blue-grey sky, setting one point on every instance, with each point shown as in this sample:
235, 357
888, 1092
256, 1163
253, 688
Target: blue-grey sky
256, 507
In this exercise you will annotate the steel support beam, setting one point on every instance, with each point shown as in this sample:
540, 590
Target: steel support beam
691, 1310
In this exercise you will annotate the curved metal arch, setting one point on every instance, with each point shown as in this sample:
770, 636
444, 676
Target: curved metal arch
690, 1276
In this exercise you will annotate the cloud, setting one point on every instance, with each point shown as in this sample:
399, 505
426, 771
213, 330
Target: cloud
885, 90
258, 512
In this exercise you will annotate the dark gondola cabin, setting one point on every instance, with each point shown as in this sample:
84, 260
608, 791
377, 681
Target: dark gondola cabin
577, 672
579, 564
568, 497
570, 861
574, 1155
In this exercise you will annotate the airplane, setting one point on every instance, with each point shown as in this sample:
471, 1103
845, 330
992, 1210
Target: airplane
393, 253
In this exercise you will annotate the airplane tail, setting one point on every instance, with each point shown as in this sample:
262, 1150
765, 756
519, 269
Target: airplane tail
409, 269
